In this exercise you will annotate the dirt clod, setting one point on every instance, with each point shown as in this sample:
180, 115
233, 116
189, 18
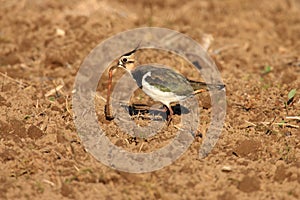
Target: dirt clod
249, 184
248, 148
34, 132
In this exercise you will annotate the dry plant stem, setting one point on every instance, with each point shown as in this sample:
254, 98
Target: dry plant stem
281, 124
13, 80
54, 91
100, 97
108, 113
268, 124
252, 124
49, 182
293, 117
141, 147
224, 48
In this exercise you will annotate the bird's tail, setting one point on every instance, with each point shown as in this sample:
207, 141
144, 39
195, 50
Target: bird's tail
200, 87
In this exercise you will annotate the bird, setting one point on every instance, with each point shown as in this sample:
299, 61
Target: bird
162, 84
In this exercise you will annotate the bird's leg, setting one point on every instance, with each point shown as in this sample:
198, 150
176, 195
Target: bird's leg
170, 116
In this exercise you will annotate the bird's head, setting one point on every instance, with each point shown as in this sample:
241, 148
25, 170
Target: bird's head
127, 60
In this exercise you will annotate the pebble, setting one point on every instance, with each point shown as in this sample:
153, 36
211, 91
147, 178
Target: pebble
226, 168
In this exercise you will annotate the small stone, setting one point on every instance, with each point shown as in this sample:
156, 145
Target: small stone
60, 32
226, 168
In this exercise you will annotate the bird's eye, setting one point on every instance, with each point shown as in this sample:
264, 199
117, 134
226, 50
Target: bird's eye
124, 60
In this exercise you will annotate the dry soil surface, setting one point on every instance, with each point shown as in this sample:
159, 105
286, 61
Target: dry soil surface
257, 47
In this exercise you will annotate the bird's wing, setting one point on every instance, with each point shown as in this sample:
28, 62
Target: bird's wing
167, 80
199, 87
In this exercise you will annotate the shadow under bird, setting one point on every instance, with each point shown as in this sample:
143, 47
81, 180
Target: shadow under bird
161, 84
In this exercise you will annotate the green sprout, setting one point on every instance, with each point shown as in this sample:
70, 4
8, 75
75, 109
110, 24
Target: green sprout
27, 117
267, 69
51, 98
291, 96
281, 124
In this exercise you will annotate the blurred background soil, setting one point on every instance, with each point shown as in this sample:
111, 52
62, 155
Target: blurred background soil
257, 48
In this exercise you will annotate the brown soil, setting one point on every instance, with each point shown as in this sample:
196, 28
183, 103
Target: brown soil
42, 44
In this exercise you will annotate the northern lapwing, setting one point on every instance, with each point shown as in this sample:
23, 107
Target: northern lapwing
161, 84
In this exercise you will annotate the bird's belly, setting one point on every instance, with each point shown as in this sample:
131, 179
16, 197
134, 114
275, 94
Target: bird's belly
164, 97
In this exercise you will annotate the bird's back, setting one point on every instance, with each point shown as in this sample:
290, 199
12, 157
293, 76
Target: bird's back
165, 79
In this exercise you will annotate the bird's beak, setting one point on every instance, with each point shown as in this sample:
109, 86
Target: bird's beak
112, 68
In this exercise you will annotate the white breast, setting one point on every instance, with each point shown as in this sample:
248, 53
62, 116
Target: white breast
157, 95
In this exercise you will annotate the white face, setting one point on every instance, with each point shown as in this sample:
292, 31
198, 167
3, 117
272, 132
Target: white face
126, 62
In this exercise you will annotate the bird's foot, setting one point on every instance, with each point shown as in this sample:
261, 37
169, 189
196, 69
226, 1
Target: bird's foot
169, 119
